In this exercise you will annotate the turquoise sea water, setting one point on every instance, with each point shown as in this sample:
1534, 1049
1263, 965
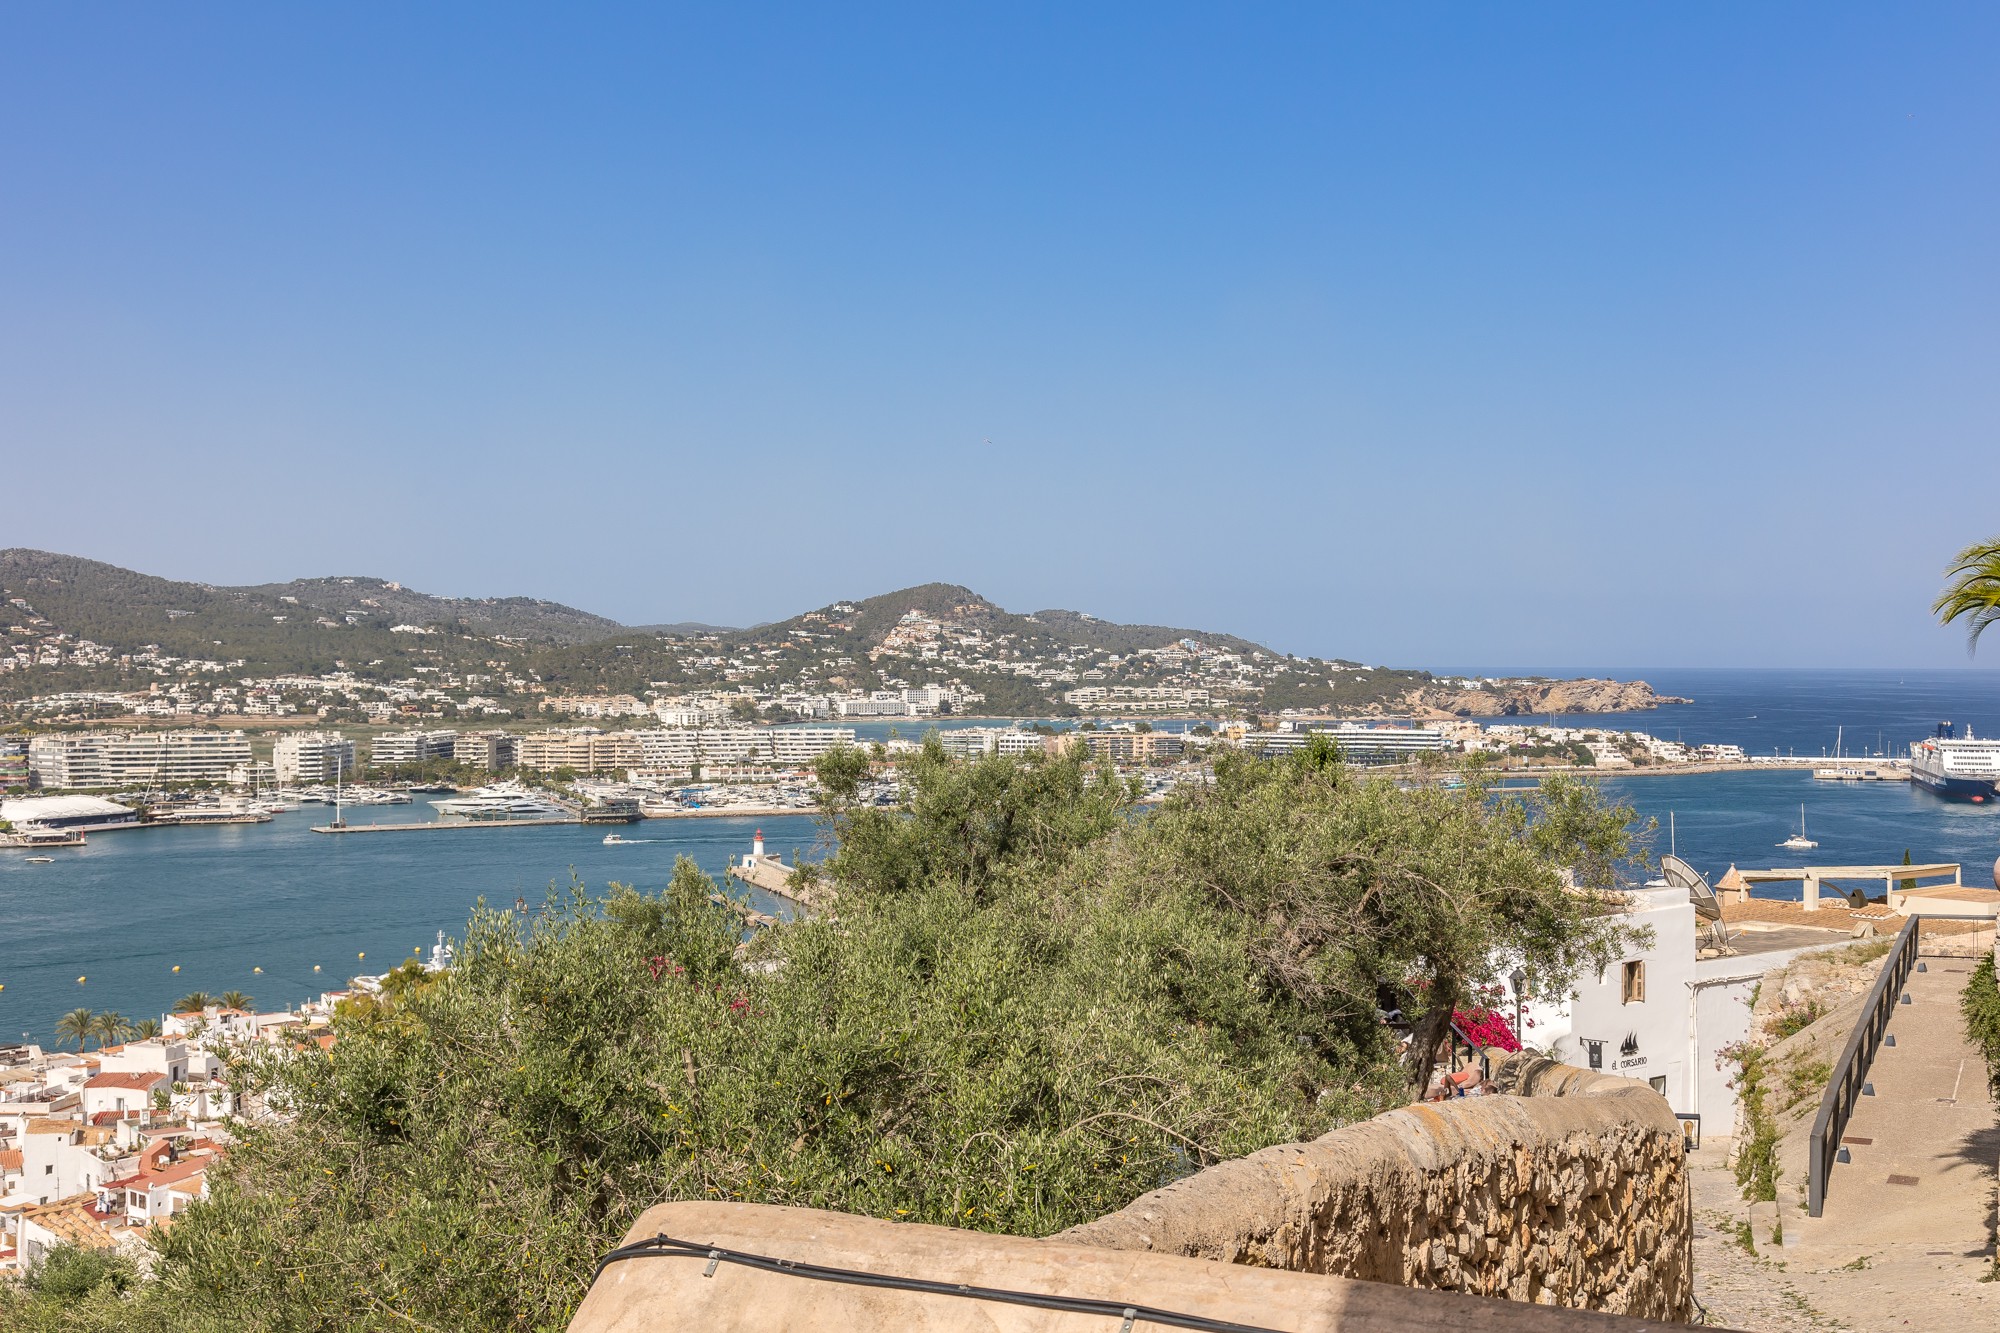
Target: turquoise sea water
222, 901
1724, 819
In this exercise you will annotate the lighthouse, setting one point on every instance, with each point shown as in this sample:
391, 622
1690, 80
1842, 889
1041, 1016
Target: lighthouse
757, 845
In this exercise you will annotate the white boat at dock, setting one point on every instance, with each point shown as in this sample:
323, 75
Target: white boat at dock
503, 800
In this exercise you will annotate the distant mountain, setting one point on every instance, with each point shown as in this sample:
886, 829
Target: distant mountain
685, 629
865, 623
504, 617
71, 624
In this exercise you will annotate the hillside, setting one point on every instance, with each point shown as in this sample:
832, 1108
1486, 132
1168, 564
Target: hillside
77, 625
126, 613
506, 617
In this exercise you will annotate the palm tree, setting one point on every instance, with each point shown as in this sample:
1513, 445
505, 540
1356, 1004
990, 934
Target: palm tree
193, 1002
1973, 594
145, 1028
236, 999
108, 1027
76, 1026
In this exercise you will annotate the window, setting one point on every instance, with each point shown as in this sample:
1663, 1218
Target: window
1634, 987
1659, 1084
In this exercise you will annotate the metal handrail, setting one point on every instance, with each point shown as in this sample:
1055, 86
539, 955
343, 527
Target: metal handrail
1836, 1108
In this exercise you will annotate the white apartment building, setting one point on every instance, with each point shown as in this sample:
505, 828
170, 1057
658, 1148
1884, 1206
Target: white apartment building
1359, 742
411, 747
802, 745
1138, 697
971, 742
882, 703
787, 747
311, 758
691, 713
96, 760
1022, 742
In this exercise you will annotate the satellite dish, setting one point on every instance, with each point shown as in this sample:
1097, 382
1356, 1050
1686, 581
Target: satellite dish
1684, 876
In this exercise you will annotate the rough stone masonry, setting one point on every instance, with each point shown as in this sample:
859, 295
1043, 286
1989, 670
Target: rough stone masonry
1571, 1192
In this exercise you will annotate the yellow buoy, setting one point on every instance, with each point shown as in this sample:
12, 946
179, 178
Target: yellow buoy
79, 981
315, 967
3, 988
177, 967
361, 955
256, 969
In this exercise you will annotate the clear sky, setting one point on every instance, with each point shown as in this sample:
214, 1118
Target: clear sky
1417, 334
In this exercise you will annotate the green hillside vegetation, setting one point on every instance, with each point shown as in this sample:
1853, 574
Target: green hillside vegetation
514, 617
346, 624
127, 612
1032, 1007
1076, 627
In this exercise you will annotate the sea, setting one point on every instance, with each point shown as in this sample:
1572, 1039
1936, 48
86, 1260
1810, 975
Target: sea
139, 917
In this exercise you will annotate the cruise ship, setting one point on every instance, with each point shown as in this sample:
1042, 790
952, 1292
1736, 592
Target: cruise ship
503, 800
1960, 767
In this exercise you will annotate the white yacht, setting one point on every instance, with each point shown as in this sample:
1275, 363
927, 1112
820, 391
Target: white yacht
502, 800
374, 796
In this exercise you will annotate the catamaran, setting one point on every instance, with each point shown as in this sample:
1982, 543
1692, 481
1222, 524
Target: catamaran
1799, 842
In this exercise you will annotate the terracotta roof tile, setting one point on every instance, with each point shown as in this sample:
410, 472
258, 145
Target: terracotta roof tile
135, 1082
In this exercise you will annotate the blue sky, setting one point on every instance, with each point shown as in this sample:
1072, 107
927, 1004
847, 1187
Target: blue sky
1416, 334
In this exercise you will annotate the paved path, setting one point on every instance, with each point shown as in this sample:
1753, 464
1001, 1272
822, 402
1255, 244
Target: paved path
1907, 1232
1884, 1256
1738, 1289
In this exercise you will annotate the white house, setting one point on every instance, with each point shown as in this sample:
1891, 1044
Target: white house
1661, 1014
1635, 1018
123, 1094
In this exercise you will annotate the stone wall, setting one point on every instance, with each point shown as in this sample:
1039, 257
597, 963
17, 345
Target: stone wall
1572, 1192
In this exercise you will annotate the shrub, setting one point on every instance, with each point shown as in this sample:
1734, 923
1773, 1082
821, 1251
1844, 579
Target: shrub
1980, 1005
1026, 1008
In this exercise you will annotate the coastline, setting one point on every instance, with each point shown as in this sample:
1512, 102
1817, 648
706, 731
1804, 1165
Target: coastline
1672, 770
435, 825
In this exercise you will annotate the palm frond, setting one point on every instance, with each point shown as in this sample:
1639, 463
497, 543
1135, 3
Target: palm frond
1972, 591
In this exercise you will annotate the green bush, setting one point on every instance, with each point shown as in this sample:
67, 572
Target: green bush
70, 1273
1757, 1155
1980, 1003
1027, 1007
1796, 1018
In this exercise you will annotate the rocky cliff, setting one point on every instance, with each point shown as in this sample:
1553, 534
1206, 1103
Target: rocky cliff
1510, 698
